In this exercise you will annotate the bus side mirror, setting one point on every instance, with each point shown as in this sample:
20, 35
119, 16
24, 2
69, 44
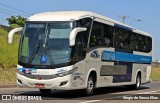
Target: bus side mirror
74, 33
12, 32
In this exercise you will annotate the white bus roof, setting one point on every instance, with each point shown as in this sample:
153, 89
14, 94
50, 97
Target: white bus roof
76, 15
60, 16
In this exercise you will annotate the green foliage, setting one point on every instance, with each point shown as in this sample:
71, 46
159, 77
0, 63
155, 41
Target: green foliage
3, 32
8, 76
14, 26
17, 21
8, 57
8, 52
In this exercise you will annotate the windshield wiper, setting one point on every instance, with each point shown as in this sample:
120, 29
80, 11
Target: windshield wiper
46, 51
35, 51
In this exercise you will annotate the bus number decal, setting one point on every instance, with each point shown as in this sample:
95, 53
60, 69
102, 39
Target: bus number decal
108, 55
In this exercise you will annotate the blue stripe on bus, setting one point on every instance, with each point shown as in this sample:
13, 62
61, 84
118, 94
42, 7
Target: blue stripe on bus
125, 57
123, 27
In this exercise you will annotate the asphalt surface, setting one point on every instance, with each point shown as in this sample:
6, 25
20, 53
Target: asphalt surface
119, 94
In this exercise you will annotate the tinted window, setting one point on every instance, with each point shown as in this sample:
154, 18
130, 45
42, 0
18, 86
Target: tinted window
128, 40
123, 39
133, 41
108, 36
96, 34
79, 50
101, 35
141, 43
85, 22
148, 44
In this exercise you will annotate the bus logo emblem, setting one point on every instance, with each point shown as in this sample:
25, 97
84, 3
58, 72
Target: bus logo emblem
95, 54
39, 77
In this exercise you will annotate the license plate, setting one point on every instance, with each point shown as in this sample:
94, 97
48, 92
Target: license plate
39, 85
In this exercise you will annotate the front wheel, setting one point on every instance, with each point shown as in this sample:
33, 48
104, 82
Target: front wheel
90, 86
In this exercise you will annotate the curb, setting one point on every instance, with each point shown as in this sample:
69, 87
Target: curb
7, 85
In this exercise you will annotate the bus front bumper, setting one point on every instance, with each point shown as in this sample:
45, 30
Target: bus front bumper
62, 83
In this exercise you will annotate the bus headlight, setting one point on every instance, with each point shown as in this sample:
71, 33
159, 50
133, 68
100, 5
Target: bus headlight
21, 72
63, 72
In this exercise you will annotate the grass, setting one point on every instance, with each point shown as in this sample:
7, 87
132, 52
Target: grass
8, 76
8, 57
3, 32
155, 74
8, 52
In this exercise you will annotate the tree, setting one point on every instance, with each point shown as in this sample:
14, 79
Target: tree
17, 21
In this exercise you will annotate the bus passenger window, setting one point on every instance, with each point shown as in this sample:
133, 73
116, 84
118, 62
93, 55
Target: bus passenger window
101, 35
108, 35
96, 35
123, 39
107, 41
85, 22
121, 45
137, 48
148, 44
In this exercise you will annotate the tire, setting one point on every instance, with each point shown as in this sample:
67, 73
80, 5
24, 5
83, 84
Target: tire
137, 85
45, 91
90, 86
138, 82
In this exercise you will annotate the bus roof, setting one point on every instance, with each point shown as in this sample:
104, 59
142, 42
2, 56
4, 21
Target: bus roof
76, 15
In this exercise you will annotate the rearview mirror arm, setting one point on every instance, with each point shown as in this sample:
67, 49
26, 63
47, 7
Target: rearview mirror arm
73, 34
12, 32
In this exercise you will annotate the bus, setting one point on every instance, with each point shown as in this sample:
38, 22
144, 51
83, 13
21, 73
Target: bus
71, 50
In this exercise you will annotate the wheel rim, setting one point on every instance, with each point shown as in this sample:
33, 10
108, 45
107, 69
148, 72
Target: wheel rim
90, 86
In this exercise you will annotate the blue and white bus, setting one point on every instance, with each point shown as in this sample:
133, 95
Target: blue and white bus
70, 50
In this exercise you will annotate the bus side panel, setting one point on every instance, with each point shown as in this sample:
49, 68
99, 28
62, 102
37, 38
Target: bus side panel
93, 66
78, 77
106, 79
148, 73
94, 62
145, 70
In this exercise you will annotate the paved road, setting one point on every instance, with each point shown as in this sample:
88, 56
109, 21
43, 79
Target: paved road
101, 95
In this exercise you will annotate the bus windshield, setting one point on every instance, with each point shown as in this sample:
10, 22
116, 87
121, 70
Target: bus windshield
45, 43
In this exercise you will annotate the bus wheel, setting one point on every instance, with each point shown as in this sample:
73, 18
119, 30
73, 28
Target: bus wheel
138, 82
90, 86
45, 91
137, 85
